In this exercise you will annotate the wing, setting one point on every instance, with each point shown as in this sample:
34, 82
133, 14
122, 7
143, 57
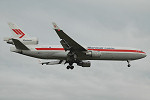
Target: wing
67, 42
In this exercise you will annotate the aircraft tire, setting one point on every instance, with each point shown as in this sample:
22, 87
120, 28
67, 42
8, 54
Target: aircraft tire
68, 67
71, 67
129, 65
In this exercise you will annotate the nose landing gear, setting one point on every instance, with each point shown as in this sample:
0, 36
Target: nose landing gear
129, 65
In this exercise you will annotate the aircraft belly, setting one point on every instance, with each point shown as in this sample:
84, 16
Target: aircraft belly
46, 54
119, 56
101, 56
57, 55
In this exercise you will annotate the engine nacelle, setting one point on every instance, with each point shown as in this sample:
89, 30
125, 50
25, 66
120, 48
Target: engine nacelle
8, 40
84, 63
26, 41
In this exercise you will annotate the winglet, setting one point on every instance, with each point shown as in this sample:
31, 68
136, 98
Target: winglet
55, 26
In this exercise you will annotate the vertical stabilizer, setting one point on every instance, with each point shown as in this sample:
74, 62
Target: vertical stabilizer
16, 31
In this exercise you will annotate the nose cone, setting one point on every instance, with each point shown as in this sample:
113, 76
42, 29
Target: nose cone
144, 55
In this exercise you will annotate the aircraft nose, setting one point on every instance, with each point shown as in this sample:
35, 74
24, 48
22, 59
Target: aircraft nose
144, 55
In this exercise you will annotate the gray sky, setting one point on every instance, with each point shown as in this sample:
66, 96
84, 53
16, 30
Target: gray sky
122, 23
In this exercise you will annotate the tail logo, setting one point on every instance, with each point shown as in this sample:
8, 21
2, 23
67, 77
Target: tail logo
18, 32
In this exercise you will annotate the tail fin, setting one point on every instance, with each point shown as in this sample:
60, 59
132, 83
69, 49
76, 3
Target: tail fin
16, 31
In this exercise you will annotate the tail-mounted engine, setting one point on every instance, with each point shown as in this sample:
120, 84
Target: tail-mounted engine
26, 41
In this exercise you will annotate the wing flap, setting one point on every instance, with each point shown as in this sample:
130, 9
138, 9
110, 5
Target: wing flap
65, 45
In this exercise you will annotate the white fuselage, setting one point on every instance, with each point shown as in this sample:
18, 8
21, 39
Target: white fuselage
94, 53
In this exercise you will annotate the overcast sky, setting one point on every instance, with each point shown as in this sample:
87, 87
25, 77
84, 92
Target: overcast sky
122, 23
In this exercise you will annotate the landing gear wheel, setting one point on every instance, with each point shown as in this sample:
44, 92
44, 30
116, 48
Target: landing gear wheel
129, 65
68, 67
71, 67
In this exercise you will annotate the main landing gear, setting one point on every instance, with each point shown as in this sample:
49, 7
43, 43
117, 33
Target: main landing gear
129, 65
70, 66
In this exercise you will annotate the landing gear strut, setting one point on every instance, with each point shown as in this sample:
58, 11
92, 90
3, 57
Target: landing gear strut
129, 65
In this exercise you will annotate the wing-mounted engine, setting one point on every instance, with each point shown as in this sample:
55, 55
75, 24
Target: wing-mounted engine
84, 63
26, 41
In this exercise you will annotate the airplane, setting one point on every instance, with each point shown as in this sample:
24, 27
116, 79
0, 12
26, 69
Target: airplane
69, 52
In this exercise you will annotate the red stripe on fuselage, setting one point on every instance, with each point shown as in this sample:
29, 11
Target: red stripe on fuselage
109, 50
116, 50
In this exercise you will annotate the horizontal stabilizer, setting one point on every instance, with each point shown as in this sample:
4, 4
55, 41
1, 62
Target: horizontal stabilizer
19, 45
53, 62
